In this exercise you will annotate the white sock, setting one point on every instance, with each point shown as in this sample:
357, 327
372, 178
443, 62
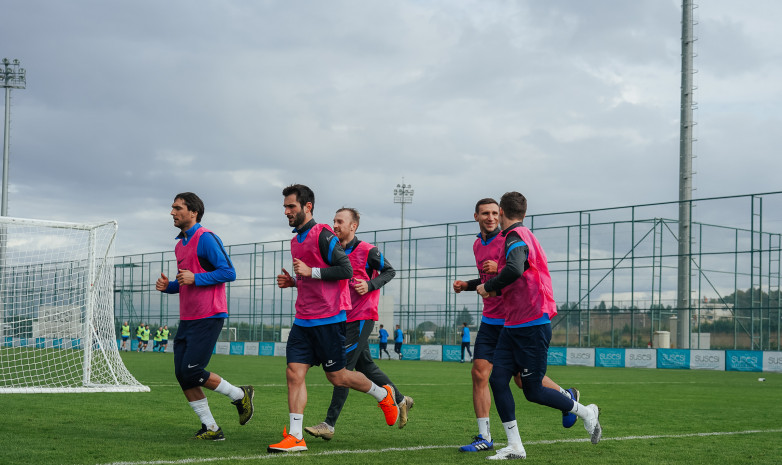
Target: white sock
379, 393
201, 408
297, 420
580, 410
512, 431
483, 428
227, 389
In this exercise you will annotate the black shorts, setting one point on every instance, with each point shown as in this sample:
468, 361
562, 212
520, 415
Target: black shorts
383, 345
193, 346
524, 350
315, 345
486, 341
356, 340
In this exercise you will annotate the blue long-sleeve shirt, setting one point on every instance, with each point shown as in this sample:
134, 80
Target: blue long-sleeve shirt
213, 258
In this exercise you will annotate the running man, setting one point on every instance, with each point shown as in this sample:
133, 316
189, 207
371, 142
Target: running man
466, 340
125, 332
203, 269
371, 271
528, 298
145, 338
164, 342
139, 332
322, 270
382, 345
157, 338
399, 338
488, 250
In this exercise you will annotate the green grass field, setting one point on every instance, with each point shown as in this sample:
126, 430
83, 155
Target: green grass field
648, 416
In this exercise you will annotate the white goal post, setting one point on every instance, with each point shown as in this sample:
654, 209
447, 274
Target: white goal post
57, 330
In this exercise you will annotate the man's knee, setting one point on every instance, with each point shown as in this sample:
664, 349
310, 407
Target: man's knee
533, 390
191, 377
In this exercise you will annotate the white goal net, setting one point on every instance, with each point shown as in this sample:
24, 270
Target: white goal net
57, 331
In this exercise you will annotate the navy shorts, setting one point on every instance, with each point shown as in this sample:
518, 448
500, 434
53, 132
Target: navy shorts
383, 345
193, 346
524, 350
316, 345
125, 338
486, 342
164, 341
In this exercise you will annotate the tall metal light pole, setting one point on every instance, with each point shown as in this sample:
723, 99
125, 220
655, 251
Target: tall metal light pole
683, 295
13, 77
402, 194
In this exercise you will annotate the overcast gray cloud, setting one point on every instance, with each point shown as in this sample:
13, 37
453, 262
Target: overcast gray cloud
575, 104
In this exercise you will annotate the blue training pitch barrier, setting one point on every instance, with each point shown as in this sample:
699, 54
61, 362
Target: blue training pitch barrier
677, 359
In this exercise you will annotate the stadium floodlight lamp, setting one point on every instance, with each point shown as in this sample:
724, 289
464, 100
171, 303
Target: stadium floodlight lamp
13, 77
402, 194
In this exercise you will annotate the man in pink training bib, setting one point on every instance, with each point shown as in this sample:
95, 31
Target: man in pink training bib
322, 270
527, 295
203, 269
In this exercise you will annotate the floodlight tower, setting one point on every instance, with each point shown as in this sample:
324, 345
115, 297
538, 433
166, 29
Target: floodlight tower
402, 194
13, 77
683, 294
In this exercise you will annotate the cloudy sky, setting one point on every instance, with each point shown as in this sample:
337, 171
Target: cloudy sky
574, 103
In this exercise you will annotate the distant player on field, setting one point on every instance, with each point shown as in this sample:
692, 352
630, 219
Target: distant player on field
399, 338
317, 337
204, 268
465, 340
527, 295
371, 271
382, 345
125, 332
139, 332
145, 338
157, 338
488, 249
164, 342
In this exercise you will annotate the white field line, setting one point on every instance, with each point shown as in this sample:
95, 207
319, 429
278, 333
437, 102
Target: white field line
590, 383
416, 448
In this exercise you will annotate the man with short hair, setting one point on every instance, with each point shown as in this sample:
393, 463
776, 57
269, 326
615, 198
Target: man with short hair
164, 342
125, 332
158, 337
488, 249
139, 332
322, 270
399, 338
527, 294
382, 344
145, 338
371, 271
466, 340
203, 269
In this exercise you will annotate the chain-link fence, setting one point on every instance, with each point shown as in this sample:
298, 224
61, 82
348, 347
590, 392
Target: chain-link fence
614, 272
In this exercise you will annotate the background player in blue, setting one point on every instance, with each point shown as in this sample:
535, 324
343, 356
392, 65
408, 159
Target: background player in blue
399, 338
524, 340
383, 344
466, 340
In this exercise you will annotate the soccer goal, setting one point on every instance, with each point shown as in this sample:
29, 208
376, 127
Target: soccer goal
57, 331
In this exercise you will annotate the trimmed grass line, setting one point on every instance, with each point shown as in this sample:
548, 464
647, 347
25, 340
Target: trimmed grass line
415, 448
588, 383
